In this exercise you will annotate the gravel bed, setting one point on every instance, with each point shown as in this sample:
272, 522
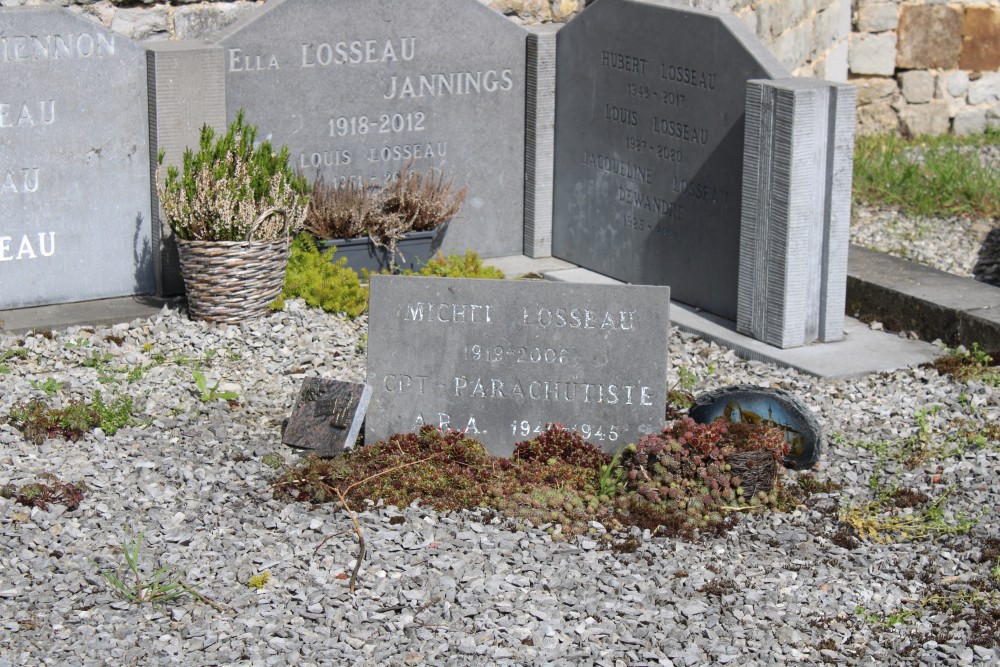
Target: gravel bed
467, 588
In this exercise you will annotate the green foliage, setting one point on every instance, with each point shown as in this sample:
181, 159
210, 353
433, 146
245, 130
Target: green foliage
50, 386
258, 581
697, 472
611, 476
927, 176
111, 418
43, 494
162, 586
457, 266
882, 619
13, 353
229, 184
208, 394
968, 364
273, 460
555, 478
39, 421
885, 519
314, 276
931, 443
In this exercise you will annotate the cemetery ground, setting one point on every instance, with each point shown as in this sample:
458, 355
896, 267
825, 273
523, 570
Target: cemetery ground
888, 552
168, 459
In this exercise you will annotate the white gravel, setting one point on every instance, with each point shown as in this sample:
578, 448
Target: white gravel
458, 589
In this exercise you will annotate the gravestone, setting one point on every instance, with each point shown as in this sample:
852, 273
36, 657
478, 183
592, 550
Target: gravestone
796, 211
74, 161
327, 416
649, 145
360, 88
502, 359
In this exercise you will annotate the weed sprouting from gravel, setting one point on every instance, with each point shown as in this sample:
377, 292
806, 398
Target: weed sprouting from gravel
42, 494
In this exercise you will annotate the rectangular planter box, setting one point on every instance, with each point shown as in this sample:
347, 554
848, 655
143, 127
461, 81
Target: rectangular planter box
413, 252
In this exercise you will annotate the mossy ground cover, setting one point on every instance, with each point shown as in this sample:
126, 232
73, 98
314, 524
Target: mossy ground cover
687, 479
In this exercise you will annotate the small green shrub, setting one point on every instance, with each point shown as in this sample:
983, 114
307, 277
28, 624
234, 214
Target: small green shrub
314, 276
457, 266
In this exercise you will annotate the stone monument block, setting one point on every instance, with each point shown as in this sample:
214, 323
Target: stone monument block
74, 161
186, 92
649, 145
540, 109
796, 211
502, 359
358, 89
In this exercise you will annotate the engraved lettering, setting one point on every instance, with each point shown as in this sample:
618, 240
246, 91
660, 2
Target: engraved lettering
619, 167
358, 52
451, 83
56, 47
621, 61
19, 181
688, 76
621, 115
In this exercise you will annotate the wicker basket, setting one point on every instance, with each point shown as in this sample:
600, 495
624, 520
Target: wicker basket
232, 281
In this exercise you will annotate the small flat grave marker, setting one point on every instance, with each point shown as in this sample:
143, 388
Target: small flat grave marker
649, 145
502, 359
360, 88
327, 416
74, 161
743, 402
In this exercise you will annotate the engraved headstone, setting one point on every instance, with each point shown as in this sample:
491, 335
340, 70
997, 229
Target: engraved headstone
74, 161
327, 416
743, 402
360, 88
649, 145
502, 359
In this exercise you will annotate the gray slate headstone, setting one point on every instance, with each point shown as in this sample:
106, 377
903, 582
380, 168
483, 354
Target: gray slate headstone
74, 161
356, 88
502, 359
796, 211
649, 145
327, 416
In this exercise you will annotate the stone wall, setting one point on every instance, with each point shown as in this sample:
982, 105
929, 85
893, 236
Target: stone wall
926, 67
809, 36
921, 66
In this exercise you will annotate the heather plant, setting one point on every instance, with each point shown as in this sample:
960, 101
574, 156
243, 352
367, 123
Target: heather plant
697, 472
407, 202
232, 189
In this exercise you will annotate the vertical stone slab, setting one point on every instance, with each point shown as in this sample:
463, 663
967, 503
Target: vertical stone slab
74, 179
359, 88
649, 145
186, 91
796, 211
540, 111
